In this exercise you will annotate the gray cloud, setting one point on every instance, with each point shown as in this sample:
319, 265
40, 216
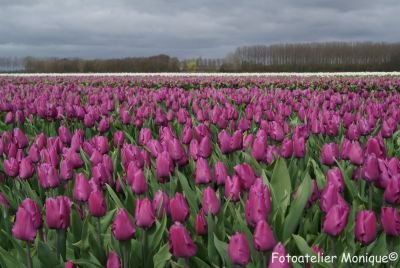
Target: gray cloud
209, 28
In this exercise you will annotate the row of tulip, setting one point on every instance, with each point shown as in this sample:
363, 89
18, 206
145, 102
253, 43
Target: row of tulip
156, 172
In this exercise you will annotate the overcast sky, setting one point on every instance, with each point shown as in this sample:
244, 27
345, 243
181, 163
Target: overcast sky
185, 28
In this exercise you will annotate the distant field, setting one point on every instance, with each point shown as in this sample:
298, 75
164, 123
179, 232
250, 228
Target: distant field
210, 74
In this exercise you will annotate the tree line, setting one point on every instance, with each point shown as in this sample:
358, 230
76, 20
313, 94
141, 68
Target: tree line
291, 57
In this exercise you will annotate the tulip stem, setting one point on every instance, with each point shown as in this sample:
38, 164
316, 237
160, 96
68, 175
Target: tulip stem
58, 244
98, 231
125, 254
28, 255
370, 193
144, 247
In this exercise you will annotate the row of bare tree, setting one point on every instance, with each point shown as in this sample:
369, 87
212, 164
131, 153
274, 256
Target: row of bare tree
297, 57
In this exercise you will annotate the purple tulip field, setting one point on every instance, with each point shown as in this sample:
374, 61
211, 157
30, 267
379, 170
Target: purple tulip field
154, 171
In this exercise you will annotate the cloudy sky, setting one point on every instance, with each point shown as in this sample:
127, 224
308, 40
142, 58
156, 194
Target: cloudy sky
185, 28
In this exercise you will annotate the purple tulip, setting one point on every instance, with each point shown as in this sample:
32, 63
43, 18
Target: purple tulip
64, 135
144, 213
299, 147
335, 220
24, 228
20, 138
390, 221
119, 138
278, 257
160, 204
264, 239
48, 177
335, 177
211, 202
370, 168
139, 183
202, 171
113, 260
97, 204
392, 191
122, 227
180, 243
81, 188
205, 147
287, 148
258, 149
224, 142
164, 166
246, 175
33, 209
329, 153
179, 208
238, 249
232, 188
365, 228
356, 156
58, 212
330, 196
200, 224
26, 169
220, 173
11, 167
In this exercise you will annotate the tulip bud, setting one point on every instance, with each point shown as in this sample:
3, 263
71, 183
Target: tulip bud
180, 243
220, 173
48, 177
113, 260
264, 239
161, 203
33, 209
24, 228
356, 154
164, 166
299, 147
65, 170
224, 142
26, 169
335, 177
203, 172
64, 135
211, 202
329, 153
392, 191
246, 175
330, 196
179, 208
238, 249
69, 264
20, 138
144, 213
370, 168
11, 167
205, 147
97, 204
258, 148
287, 148
200, 225
81, 188
335, 220
390, 221
232, 188
119, 139
139, 183
58, 212
365, 228
122, 227
278, 253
